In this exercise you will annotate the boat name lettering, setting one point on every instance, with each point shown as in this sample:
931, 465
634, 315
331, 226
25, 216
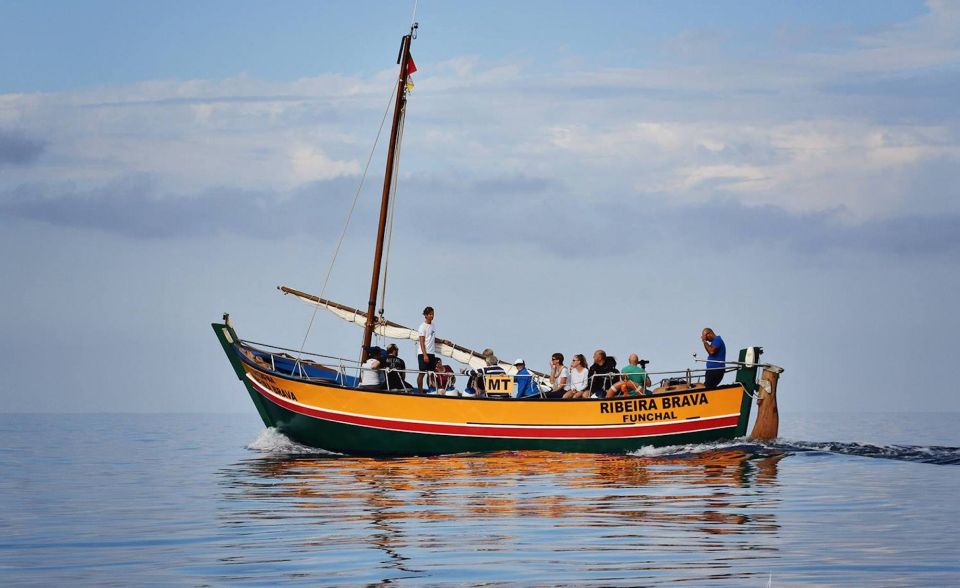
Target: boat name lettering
647, 417
269, 382
645, 404
685, 400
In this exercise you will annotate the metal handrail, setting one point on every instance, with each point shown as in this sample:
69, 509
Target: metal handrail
340, 359
343, 369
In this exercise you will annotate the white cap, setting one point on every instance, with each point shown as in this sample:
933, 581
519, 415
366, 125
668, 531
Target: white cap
519, 361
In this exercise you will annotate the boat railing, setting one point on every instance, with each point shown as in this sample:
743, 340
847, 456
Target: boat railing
298, 352
690, 375
667, 377
290, 362
299, 367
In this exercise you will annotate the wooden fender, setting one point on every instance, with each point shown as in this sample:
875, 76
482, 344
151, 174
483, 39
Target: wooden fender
767, 425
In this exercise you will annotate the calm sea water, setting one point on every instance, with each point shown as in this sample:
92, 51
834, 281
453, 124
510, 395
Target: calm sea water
219, 500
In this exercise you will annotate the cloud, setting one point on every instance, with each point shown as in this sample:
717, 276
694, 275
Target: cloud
507, 211
488, 213
732, 225
925, 42
833, 139
197, 135
135, 207
16, 148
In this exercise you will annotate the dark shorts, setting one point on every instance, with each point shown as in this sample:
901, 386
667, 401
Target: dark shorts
428, 365
713, 377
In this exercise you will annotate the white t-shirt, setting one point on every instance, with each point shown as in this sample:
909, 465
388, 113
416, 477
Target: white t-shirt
429, 339
368, 374
578, 379
564, 373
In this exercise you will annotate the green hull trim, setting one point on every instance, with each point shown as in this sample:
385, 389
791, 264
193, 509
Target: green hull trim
747, 377
227, 336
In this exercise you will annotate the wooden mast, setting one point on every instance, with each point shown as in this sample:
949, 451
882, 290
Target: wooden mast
404, 61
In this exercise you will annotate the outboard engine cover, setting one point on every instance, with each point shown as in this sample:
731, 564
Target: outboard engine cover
747, 371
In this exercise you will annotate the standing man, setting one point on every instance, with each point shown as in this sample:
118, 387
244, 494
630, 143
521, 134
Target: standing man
426, 346
716, 359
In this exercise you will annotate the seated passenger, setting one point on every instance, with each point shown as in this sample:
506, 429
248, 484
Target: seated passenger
632, 381
559, 376
394, 368
599, 374
578, 382
524, 381
476, 376
370, 375
442, 377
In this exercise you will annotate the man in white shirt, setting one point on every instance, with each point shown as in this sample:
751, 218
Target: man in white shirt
426, 346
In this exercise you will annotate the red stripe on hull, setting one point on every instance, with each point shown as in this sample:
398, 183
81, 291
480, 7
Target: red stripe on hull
506, 432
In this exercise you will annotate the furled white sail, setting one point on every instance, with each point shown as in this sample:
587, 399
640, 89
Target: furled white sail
383, 328
392, 330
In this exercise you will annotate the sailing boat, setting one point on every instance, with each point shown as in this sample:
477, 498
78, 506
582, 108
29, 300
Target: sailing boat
319, 401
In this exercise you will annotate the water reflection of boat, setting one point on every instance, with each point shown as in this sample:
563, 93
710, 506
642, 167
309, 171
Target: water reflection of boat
413, 482
501, 501
324, 407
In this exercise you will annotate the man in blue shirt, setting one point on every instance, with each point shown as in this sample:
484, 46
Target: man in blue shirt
524, 381
715, 360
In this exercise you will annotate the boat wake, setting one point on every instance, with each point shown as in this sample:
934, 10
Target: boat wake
274, 442
694, 450
933, 454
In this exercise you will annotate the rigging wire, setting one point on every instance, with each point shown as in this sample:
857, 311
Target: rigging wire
346, 224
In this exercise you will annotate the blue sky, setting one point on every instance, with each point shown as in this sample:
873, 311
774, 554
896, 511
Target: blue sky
627, 172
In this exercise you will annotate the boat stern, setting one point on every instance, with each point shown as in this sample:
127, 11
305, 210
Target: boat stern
747, 377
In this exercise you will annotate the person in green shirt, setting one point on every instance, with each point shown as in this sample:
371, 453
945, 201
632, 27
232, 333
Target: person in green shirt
633, 379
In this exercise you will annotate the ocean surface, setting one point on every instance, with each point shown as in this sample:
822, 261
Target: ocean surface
199, 500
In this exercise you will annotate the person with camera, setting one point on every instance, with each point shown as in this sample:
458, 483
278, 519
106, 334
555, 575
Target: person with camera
633, 379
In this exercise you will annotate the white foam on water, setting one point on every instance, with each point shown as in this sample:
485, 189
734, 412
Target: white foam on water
692, 449
270, 440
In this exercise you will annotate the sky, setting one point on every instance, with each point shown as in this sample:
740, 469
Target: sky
573, 176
